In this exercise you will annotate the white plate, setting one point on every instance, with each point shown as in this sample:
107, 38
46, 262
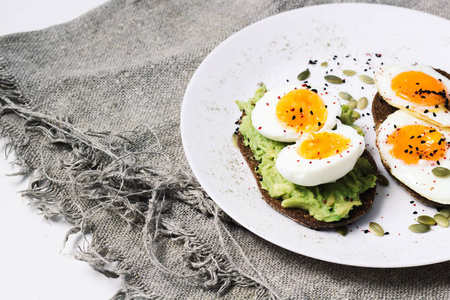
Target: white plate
275, 50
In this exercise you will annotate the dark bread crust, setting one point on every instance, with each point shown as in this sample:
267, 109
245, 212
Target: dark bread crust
380, 111
302, 216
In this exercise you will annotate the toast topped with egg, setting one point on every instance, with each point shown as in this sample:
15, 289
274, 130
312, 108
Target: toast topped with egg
314, 171
412, 122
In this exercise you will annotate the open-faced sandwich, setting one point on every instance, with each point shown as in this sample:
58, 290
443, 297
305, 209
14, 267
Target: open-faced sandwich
412, 120
308, 158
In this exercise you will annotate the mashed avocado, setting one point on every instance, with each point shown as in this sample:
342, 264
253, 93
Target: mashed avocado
326, 202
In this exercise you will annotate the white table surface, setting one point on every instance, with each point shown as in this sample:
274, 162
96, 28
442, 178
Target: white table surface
33, 263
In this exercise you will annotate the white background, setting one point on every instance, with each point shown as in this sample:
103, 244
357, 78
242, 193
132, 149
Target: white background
33, 264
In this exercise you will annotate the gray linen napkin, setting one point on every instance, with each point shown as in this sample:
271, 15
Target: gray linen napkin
92, 107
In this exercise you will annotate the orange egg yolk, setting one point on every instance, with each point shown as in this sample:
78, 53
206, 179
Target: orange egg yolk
414, 142
322, 145
419, 88
302, 110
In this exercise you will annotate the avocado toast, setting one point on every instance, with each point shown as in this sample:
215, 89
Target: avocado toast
325, 206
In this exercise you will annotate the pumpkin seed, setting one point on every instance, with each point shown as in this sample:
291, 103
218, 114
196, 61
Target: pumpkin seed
304, 75
342, 230
426, 220
366, 79
333, 79
419, 228
440, 171
324, 64
376, 229
349, 72
445, 212
345, 96
352, 103
362, 103
382, 180
441, 220
355, 115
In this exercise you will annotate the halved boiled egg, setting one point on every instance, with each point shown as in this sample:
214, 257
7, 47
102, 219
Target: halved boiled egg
412, 148
286, 113
321, 157
418, 89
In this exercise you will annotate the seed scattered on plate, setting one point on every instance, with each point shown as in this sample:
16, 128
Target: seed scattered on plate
376, 229
362, 103
349, 72
440, 171
345, 96
441, 220
304, 75
366, 79
426, 220
419, 228
333, 79
445, 212
355, 115
352, 103
342, 230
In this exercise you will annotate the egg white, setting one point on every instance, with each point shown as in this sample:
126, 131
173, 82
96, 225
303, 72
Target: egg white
418, 176
265, 121
383, 78
311, 172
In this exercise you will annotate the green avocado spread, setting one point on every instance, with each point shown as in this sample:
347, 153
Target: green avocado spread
327, 202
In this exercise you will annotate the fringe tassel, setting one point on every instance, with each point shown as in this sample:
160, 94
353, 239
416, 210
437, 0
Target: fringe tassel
100, 170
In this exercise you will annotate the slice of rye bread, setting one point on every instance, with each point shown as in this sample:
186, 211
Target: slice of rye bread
380, 111
302, 216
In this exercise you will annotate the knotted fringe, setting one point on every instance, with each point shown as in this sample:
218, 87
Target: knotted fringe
102, 173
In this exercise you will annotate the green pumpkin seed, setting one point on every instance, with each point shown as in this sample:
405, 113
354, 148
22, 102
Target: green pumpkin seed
333, 79
352, 103
324, 64
349, 72
304, 75
362, 103
376, 229
445, 212
426, 220
440, 172
355, 115
382, 180
342, 230
345, 96
366, 79
419, 228
441, 220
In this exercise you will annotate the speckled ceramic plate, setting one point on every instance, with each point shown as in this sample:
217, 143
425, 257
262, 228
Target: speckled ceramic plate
274, 51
